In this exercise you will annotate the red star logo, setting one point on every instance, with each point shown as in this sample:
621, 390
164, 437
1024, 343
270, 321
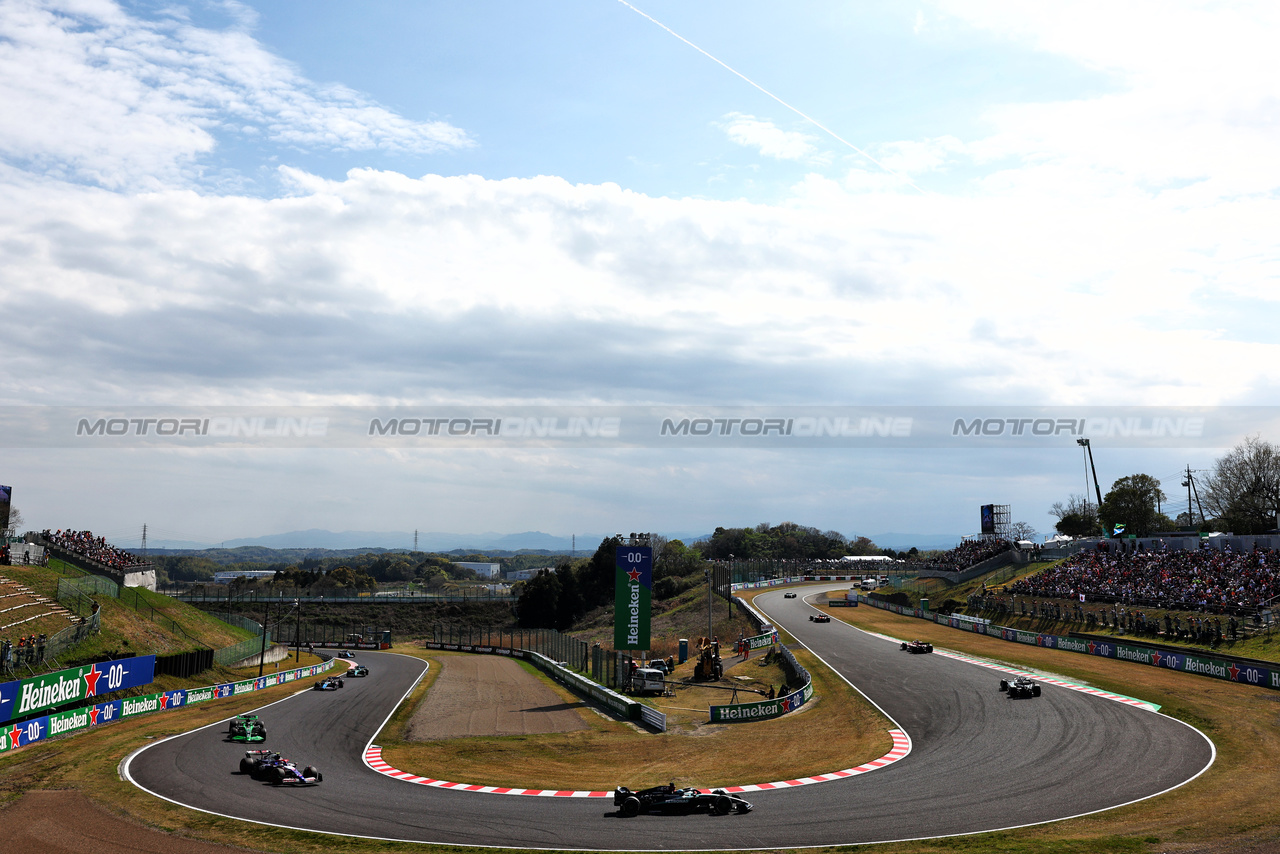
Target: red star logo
1091, 647
164, 699
91, 681
93, 716
635, 576
14, 735
1234, 671
1155, 658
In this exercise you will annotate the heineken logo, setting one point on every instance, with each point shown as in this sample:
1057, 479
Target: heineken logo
139, 705
40, 694
67, 722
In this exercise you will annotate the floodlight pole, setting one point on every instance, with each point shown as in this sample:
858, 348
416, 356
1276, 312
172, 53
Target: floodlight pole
1084, 443
262, 656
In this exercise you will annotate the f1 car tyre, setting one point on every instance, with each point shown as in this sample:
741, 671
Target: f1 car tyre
722, 805
248, 766
310, 771
631, 807
1004, 684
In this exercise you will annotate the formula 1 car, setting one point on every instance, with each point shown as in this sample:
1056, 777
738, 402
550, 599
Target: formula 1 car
346, 653
820, 618
358, 670
1021, 686
917, 647
790, 594
668, 800
328, 683
271, 767
247, 729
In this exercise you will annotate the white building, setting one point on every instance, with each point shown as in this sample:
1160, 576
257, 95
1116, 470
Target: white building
484, 570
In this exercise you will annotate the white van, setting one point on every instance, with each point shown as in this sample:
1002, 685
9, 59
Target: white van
648, 680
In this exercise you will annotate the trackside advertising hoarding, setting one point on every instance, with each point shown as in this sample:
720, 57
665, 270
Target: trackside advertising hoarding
633, 588
761, 641
741, 712
1262, 674
25, 697
60, 723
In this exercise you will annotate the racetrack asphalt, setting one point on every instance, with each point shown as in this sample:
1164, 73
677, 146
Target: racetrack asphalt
979, 762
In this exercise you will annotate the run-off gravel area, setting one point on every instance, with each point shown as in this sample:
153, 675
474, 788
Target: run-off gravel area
484, 695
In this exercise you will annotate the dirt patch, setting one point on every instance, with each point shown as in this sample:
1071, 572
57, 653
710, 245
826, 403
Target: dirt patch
67, 822
482, 695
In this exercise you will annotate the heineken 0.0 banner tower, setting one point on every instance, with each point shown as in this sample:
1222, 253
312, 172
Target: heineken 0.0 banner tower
634, 575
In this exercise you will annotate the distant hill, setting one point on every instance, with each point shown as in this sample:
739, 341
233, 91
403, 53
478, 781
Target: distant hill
293, 546
435, 541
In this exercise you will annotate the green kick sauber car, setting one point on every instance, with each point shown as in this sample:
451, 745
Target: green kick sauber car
247, 729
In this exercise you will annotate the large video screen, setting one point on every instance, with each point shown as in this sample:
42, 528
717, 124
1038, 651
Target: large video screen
6, 495
988, 518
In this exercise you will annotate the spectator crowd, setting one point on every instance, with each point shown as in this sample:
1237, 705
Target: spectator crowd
1217, 580
85, 544
967, 554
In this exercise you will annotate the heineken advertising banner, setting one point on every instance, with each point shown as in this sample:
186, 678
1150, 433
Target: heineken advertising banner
25, 697
632, 594
761, 641
763, 709
60, 723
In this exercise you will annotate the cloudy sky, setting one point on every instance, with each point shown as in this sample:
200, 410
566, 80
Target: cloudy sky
587, 203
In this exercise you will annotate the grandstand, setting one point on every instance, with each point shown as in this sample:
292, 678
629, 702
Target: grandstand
96, 555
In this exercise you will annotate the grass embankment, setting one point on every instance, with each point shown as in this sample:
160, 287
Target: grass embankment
139, 623
1257, 643
683, 616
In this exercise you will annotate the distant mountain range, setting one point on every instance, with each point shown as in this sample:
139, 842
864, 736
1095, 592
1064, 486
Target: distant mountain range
438, 541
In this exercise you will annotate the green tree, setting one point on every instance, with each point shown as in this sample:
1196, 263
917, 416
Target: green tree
1133, 502
1076, 517
539, 601
569, 605
676, 559
1243, 490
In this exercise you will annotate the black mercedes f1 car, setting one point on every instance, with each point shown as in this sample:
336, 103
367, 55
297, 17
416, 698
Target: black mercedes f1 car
668, 800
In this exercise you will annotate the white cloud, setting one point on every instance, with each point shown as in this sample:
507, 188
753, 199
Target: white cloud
124, 102
767, 138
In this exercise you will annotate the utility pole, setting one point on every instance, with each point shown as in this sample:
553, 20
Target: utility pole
1191, 514
415, 539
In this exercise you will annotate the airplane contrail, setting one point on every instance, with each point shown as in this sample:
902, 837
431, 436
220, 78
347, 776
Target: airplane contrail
756, 85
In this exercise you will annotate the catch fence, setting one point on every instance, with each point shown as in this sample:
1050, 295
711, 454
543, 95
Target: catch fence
548, 642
